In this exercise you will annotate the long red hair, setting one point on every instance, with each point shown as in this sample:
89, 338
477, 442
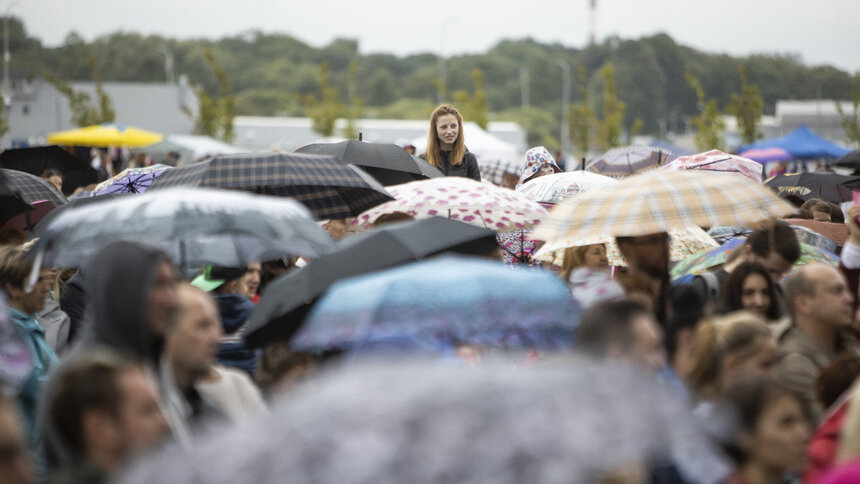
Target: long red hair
432, 155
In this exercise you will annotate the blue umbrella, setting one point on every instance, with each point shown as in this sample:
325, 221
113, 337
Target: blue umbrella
441, 303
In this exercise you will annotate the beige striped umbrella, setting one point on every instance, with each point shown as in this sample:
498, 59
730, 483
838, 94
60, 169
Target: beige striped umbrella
659, 201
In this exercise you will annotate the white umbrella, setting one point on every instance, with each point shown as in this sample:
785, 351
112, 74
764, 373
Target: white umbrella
558, 186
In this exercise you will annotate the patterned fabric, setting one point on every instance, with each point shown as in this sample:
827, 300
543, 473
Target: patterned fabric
32, 188
517, 247
131, 180
494, 170
328, 187
629, 160
717, 161
538, 159
460, 199
659, 201
555, 188
590, 287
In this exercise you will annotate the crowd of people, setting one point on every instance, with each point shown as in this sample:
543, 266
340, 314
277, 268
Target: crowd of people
125, 356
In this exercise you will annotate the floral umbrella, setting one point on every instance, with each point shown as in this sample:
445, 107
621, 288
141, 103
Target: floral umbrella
719, 162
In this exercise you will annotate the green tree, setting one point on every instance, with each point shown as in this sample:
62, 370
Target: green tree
610, 128
215, 114
747, 108
581, 116
474, 107
849, 122
353, 111
324, 111
84, 112
709, 123
4, 125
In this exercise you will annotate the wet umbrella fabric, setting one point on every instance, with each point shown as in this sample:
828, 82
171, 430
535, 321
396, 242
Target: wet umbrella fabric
76, 172
11, 203
718, 162
386, 162
851, 160
384, 423
286, 302
327, 186
558, 186
131, 180
32, 188
629, 160
441, 303
831, 187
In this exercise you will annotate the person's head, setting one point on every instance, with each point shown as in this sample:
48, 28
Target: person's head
336, 228
836, 378
820, 210
16, 466
105, 409
773, 425
279, 368
637, 289
392, 218
818, 298
192, 343
446, 134
538, 162
687, 309
590, 256
730, 347
776, 248
138, 160
54, 177
251, 280
750, 287
221, 280
272, 269
15, 267
622, 330
647, 254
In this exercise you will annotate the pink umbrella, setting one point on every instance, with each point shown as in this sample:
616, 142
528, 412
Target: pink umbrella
767, 154
717, 161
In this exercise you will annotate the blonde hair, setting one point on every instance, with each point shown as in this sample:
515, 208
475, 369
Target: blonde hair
737, 334
432, 155
573, 257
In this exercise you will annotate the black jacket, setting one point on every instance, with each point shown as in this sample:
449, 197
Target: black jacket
467, 169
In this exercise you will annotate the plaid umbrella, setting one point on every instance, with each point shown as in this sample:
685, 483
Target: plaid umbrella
32, 188
718, 162
558, 186
658, 202
495, 169
327, 186
461, 199
629, 160
76, 172
386, 162
131, 180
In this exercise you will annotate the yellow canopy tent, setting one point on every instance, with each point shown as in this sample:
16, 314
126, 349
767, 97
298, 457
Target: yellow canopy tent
105, 135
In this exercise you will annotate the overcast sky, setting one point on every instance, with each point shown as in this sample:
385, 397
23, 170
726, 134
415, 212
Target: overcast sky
822, 31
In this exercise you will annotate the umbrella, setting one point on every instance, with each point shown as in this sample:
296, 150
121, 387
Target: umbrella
412, 422
29, 217
462, 199
32, 188
699, 263
658, 202
766, 155
131, 180
11, 203
831, 187
558, 186
836, 234
441, 303
493, 170
629, 160
851, 160
286, 301
682, 244
108, 134
386, 162
76, 172
194, 226
327, 186
718, 162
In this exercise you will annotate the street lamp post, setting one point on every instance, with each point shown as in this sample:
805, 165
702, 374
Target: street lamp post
564, 137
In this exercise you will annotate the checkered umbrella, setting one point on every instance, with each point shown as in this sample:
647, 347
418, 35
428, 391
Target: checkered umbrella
32, 188
327, 186
659, 201
386, 162
494, 170
629, 160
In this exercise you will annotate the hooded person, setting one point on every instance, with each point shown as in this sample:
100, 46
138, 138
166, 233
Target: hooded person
537, 162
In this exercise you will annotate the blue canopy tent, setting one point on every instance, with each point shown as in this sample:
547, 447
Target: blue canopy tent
802, 144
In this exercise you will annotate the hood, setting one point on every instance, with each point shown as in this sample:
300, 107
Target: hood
234, 309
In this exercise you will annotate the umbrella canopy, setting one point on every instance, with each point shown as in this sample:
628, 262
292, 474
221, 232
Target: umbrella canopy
766, 155
458, 198
108, 134
835, 233
558, 186
718, 162
493, 170
386, 162
658, 202
629, 160
194, 226
802, 144
851, 160
831, 187
190, 148
11, 203
32, 188
131, 180
441, 303
412, 422
286, 302
76, 172
324, 184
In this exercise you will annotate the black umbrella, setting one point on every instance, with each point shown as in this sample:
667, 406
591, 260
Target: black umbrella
31, 188
327, 186
851, 160
286, 302
831, 187
11, 203
388, 163
76, 172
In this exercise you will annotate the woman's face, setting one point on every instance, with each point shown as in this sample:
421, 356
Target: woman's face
755, 295
780, 437
447, 130
595, 257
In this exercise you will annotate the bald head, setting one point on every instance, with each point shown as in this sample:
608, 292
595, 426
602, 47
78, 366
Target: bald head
819, 292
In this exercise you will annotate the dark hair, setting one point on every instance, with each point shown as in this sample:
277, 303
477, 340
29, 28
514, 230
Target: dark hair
49, 172
751, 395
814, 204
777, 238
687, 310
607, 323
278, 360
837, 216
837, 378
801, 214
732, 290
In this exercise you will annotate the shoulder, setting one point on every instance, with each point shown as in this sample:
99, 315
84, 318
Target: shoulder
469, 157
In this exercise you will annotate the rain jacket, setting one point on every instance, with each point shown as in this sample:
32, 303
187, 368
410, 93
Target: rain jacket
43, 358
235, 310
467, 169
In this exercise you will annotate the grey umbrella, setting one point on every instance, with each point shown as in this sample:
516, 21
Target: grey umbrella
439, 423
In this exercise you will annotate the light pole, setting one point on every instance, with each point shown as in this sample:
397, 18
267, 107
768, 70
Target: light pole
564, 137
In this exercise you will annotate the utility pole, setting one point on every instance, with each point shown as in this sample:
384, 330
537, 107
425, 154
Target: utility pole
564, 137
